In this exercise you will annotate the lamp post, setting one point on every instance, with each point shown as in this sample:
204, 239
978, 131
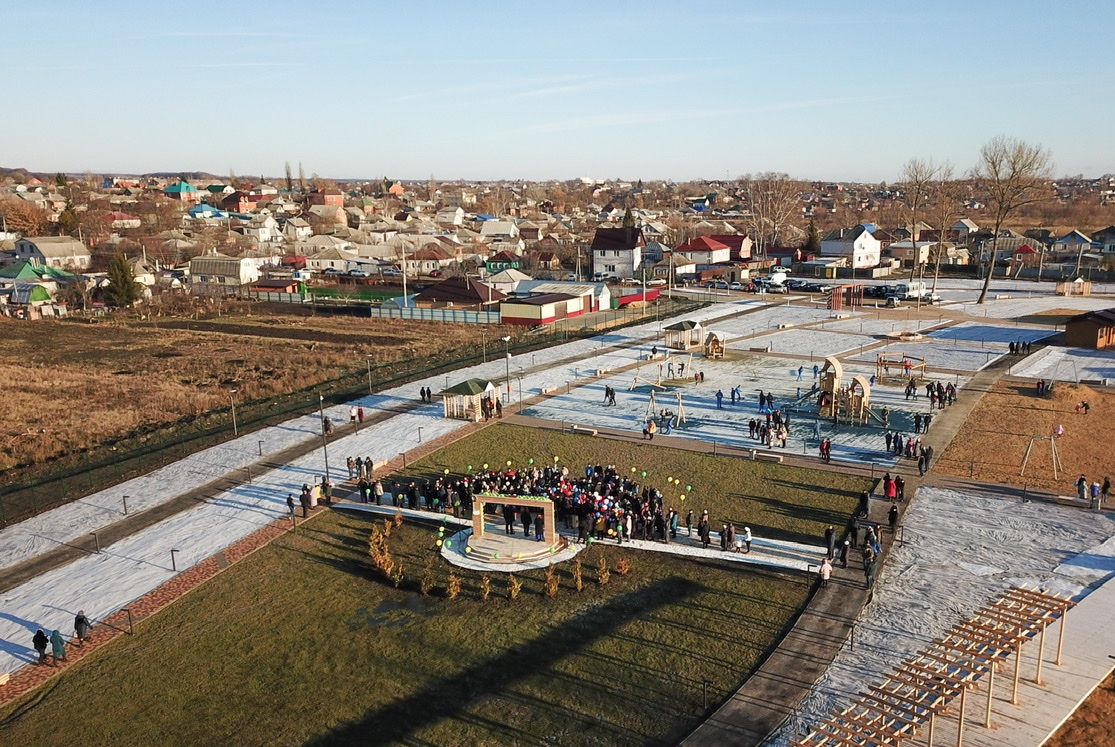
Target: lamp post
232, 399
324, 440
507, 363
368, 360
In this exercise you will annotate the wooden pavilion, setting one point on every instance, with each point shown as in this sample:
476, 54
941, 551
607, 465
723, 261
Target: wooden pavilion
462, 401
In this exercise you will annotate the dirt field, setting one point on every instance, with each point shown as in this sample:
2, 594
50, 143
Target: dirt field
74, 384
1090, 726
991, 445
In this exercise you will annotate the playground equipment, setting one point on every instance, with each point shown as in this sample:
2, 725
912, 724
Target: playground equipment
684, 335
653, 412
671, 368
714, 346
1078, 287
899, 367
1052, 449
850, 404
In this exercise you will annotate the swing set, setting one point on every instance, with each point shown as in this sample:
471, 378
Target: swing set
652, 408
900, 367
668, 371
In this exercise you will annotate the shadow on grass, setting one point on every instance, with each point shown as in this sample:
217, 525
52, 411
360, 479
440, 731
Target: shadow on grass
400, 721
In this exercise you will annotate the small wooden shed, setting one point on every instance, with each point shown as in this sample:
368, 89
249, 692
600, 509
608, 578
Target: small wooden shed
462, 401
684, 335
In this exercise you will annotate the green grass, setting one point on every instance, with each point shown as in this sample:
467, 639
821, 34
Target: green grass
303, 643
776, 501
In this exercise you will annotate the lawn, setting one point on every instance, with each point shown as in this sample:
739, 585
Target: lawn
776, 501
304, 643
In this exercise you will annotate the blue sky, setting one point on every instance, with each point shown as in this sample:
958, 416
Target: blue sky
635, 90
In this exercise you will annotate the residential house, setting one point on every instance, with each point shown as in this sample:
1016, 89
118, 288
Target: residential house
297, 229
183, 192
962, 229
912, 253
542, 309
503, 260
594, 296
326, 197
264, 229
499, 230
450, 216
617, 252
1026, 255
118, 220
740, 245
704, 251
61, 252
334, 214
857, 245
217, 274
1104, 239
1071, 244
544, 261
239, 202
334, 258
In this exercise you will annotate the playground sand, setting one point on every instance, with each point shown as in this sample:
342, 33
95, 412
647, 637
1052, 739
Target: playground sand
992, 443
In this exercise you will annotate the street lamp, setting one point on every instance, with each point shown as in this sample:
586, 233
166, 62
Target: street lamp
507, 363
368, 360
324, 441
232, 399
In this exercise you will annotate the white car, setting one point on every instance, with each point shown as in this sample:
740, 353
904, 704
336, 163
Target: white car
656, 282
735, 286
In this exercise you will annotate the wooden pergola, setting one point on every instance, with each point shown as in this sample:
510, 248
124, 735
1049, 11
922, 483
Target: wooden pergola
533, 502
922, 687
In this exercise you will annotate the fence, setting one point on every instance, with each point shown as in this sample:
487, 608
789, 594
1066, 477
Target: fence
27, 490
435, 315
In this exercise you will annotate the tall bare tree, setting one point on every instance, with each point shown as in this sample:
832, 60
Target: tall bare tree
775, 200
1012, 174
289, 179
917, 176
945, 196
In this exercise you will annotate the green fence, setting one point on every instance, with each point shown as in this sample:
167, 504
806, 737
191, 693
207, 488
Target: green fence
27, 491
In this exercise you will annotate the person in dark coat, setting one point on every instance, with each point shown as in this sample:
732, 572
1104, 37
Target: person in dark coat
830, 541
304, 499
526, 518
540, 527
892, 516
40, 641
82, 627
703, 530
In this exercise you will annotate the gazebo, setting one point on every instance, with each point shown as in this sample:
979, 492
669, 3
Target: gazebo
462, 401
684, 335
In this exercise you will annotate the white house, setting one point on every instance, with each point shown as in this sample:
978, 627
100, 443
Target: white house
62, 252
857, 245
617, 252
337, 259
216, 274
297, 229
263, 228
704, 251
451, 216
497, 230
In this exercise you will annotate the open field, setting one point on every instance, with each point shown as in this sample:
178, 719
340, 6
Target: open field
991, 445
1090, 726
76, 385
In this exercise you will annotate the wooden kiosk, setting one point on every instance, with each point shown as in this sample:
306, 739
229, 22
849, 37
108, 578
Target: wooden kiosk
533, 502
462, 401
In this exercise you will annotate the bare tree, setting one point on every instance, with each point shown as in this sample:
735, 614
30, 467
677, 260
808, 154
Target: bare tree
1013, 174
774, 200
945, 194
917, 176
289, 179
301, 179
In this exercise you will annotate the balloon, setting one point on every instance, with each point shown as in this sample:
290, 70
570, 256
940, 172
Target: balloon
683, 496
669, 479
530, 461
556, 458
508, 462
468, 549
689, 488
495, 555
644, 473
439, 543
632, 470
449, 544
485, 465
447, 471
553, 550
470, 468
518, 555
591, 540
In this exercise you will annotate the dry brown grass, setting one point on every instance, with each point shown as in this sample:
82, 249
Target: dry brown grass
72, 385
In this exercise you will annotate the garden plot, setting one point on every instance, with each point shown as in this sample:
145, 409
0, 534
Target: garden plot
960, 551
865, 325
770, 318
1009, 308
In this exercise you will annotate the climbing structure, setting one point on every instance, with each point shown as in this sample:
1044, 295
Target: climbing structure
844, 404
899, 367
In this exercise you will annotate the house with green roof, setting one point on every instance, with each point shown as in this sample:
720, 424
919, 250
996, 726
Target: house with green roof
183, 192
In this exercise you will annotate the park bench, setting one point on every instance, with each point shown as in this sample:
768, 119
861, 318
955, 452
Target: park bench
763, 349
765, 456
582, 429
549, 389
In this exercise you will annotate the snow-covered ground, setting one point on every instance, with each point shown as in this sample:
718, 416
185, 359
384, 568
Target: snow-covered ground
960, 551
1067, 364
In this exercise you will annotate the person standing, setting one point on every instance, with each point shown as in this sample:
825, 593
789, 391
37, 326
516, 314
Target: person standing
351, 464
830, 541
844, 549
719, 399
801, 370
290, 504
352, 414
360, 414
1105, 490
1081, 487
704, 530
305, 499
689, 523
539, 527
892, 516
747, 539
57, 647
825, 572
526, 519
82, 627
40, 641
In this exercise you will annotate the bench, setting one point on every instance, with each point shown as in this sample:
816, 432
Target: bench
602, 372
582, 429
548, 389
764, 349
765, 456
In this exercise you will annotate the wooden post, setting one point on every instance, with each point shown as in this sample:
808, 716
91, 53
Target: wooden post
960, 721
1061, 634
1017, 672
990, 695
1041, 653
932, 724
478, 518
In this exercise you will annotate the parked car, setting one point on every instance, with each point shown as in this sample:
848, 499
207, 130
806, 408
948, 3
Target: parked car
435, 273
332, 271
656, 282
721, 285
390, 272
816, 287
357, 273
735, 286
796, 284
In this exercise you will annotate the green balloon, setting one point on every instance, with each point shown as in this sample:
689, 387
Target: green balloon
449, 543
689, 488
644, 473
530, 461
470, 468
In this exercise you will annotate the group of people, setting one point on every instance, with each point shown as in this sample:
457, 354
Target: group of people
1093, 492
609, 396
491, 408
356, 414
774, 426
1020, 348
1042, 388
57, 643
360, 468
426, 394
